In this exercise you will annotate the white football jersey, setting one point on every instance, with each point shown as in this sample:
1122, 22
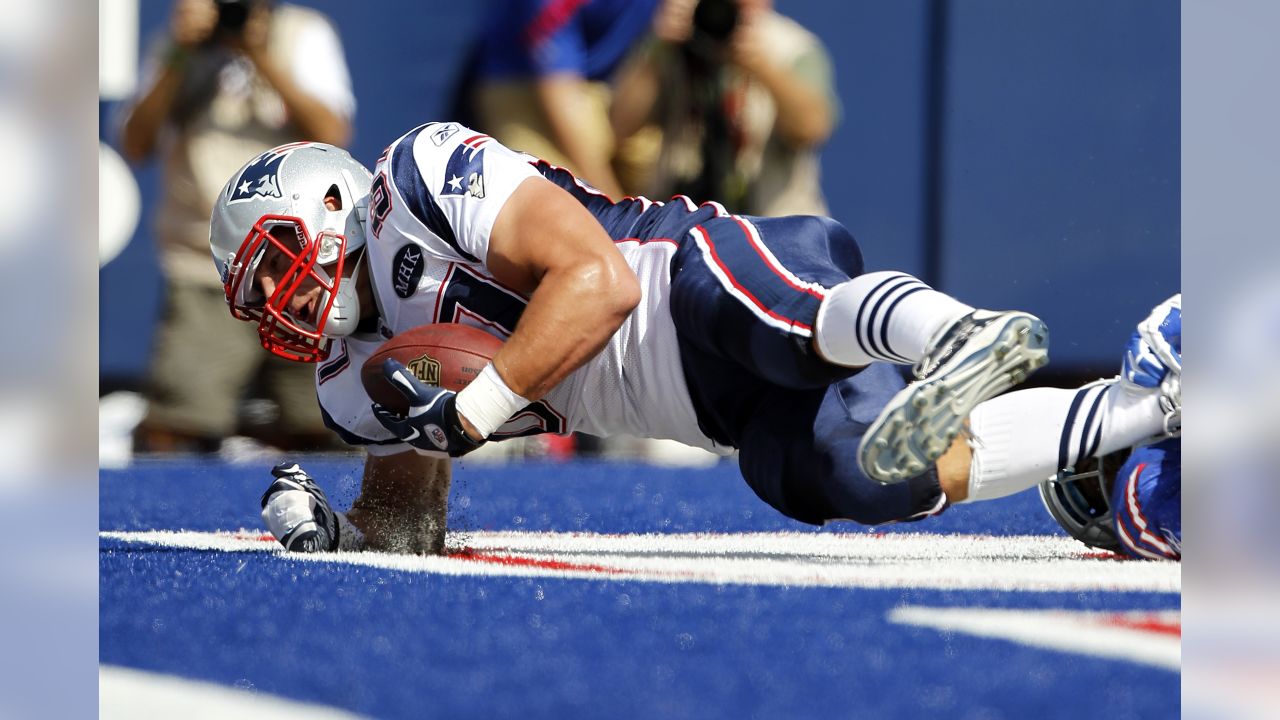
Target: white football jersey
435, 196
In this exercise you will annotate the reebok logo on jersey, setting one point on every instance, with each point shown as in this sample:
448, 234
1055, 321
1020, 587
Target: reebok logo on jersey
443, 133
406, 270
260, 178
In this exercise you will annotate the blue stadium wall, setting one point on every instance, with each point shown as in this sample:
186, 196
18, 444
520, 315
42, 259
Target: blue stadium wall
1016, 154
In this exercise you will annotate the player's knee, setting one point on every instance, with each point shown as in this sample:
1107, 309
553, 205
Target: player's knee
845, 253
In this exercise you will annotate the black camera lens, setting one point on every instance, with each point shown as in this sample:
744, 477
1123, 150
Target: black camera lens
716, 19
232, 15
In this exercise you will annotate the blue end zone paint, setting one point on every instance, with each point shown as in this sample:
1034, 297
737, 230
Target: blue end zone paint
579, 496
395, 644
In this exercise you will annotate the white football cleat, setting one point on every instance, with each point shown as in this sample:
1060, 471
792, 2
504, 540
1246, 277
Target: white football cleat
978, 357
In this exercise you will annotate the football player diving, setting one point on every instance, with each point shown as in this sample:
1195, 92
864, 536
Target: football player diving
655, 319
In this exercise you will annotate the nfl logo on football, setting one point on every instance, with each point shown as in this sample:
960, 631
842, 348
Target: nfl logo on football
426, 369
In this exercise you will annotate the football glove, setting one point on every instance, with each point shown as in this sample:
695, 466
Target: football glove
297, 512
432, 425
1153, 361
1155, 348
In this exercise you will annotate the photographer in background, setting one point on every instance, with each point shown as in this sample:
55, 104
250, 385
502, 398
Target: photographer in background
743, 96
540, 78
229, 80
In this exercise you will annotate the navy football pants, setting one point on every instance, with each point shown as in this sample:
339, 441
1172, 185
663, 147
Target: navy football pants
745, 293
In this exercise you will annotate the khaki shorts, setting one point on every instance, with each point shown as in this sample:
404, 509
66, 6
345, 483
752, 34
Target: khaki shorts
510, 111
204, 362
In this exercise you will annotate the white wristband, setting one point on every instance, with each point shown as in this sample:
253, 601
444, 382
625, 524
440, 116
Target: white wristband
487, 402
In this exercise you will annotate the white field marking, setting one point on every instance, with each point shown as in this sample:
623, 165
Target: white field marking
915, 560
126, 694
1117, 635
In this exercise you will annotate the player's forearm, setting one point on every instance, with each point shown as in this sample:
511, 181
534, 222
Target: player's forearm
313, 119
569, 319
403, 503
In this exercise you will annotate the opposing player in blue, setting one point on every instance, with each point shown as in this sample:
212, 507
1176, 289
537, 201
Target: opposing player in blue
664, 320
1136, 508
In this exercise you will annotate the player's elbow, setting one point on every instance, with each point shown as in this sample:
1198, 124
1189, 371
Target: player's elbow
624, 292
616, 288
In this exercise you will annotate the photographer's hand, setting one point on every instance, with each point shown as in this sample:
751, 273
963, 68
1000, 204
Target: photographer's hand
673, 21
193, 22
749, 48
805, 115
313, 119
252, 40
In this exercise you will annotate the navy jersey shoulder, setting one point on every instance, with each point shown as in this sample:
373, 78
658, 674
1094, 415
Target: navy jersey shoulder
634, 218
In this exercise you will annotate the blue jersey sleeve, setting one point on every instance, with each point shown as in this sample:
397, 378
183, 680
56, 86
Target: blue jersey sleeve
1147, 501
555, 44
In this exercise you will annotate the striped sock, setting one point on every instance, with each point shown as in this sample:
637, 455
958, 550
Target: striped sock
886, 316
1026, 437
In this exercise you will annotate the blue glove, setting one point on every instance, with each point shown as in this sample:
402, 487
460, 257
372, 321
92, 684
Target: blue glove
432, 425
1155, 348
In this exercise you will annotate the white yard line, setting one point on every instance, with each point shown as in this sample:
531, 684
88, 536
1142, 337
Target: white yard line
1123, 636
916, 560
128, 694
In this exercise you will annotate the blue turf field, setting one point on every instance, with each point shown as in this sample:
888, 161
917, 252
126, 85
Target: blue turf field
402, 644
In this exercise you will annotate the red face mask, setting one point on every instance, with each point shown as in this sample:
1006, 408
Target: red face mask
283, 334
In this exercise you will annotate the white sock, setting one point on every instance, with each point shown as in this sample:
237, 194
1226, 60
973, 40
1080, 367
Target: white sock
1026, 437
887, 316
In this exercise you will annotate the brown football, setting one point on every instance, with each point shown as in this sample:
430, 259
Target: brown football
443, 354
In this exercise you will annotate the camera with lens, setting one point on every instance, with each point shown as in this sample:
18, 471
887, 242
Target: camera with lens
713, 24
232, 16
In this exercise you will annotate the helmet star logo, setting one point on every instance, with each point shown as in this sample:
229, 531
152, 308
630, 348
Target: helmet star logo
456, 184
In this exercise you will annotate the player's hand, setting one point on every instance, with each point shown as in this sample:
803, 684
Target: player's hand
432, 424
297, 512
1155, 348
1162, 330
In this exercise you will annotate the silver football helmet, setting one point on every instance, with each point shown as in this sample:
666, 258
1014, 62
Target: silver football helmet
277, 200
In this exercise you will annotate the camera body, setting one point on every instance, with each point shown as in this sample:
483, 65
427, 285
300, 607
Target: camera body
715, 19
713, 24
232, 16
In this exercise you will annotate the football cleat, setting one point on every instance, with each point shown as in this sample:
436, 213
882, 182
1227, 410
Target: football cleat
978, 357
297, 512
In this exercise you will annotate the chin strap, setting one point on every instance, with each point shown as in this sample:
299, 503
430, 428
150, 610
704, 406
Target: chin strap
344, 316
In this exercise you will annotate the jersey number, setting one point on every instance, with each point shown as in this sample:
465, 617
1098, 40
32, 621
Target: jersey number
379, 204
472, 299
